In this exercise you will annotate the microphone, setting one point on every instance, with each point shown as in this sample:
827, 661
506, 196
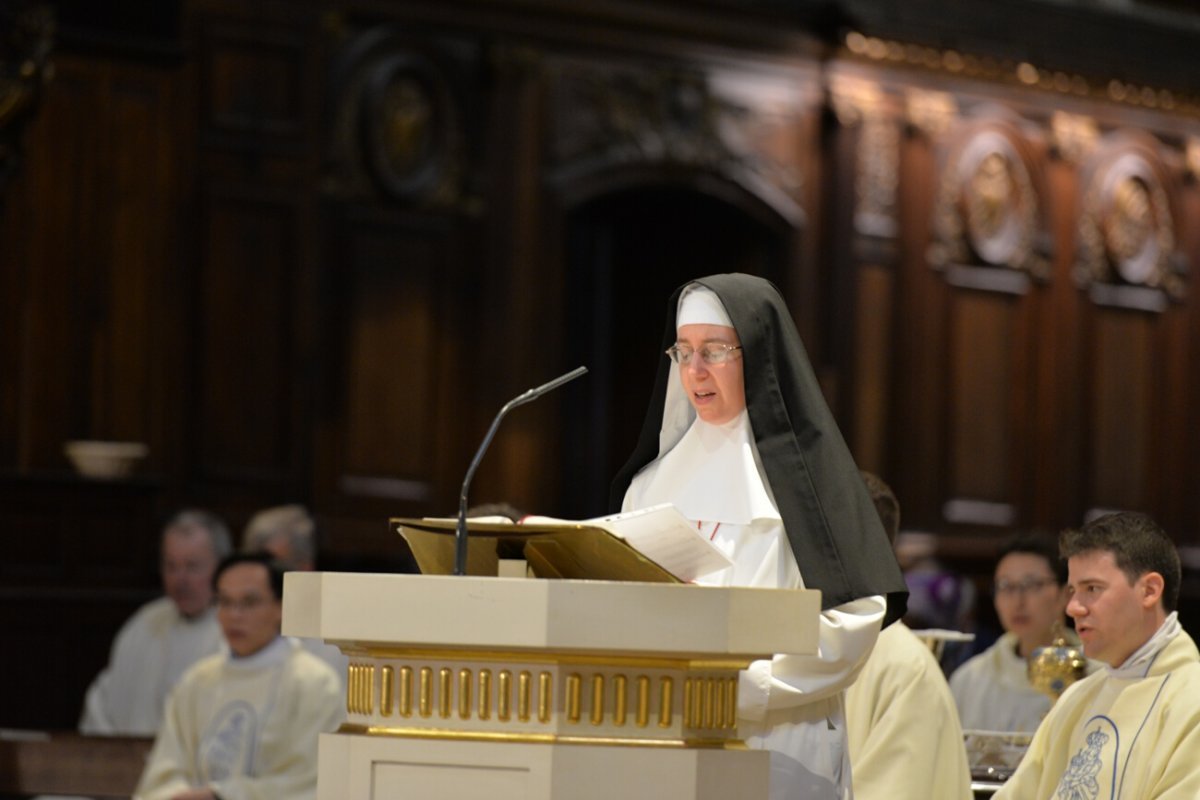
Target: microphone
460, 533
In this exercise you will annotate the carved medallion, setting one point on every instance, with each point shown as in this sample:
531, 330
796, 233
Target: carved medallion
397, 121
1126, 229
987, 211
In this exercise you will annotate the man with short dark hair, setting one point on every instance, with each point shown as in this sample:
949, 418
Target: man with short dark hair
1131, 729
243, 725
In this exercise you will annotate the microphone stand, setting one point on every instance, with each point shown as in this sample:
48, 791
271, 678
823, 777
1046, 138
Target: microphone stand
460, 533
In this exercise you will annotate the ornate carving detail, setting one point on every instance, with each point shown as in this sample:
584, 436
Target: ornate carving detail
26, 40
1192, 158
1073, 136
931, 113
1126, 228
987, 211
877, 155
613, 116
398, 126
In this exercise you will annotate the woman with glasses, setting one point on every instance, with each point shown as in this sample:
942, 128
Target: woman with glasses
992, 690
739, 439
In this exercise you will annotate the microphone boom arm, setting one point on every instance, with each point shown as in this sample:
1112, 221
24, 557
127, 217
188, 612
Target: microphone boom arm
460, 533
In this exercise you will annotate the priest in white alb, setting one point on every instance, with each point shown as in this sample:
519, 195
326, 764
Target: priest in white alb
1132, 728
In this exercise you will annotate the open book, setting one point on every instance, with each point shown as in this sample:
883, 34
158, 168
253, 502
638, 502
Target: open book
650, 544
664, 536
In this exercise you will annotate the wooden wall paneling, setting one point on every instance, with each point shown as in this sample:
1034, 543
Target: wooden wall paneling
399, 371
860, 230
521, 291
1056, 458
63, 262
134, 363
873, 373
255, 84
1189, 530
916, 435
1131, 271
78, 557
246, 385
1121, 409
988, 408
60, 640
84, 367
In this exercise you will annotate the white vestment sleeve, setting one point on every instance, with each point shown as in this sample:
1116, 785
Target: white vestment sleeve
847, 634
170, 762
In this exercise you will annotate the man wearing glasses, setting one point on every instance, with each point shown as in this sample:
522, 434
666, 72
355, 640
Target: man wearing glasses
992, 690
243, 725
1132, 728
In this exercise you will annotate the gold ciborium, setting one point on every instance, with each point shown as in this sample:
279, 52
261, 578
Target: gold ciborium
1052, 669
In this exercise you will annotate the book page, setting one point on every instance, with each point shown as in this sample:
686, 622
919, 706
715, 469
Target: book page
665, 536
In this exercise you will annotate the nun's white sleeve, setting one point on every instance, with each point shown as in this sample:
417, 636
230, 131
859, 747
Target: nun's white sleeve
847, 635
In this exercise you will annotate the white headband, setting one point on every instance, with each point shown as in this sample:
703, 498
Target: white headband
700, 305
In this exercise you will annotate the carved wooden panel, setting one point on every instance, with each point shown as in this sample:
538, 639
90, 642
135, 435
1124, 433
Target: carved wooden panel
253, 84
245, 383
94, 266
986, 421
391, 393
873, 372
1128, 255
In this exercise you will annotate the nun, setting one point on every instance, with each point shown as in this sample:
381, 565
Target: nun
739, 438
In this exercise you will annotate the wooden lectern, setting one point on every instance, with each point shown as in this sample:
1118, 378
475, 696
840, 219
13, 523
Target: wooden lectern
498, 688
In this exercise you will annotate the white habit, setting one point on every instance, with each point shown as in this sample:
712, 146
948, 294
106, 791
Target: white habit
993, 692
149, 655
246, 727
791, 705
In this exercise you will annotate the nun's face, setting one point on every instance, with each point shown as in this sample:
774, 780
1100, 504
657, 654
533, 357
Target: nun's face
716, 391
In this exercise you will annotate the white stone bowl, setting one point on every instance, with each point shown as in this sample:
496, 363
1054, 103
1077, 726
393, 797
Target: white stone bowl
104, 460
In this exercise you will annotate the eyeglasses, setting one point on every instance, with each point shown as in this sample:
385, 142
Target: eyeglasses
243, 604
711, 353
1026, 586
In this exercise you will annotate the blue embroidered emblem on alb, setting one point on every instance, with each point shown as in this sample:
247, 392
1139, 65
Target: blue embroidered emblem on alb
1079, 781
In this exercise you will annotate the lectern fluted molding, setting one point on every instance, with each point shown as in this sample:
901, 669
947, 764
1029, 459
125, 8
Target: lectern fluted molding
539, 674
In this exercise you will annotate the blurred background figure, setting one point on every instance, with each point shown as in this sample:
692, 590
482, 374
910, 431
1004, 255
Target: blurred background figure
165, 636
992, 690
904, 737
939, 599
288, 534
243, 724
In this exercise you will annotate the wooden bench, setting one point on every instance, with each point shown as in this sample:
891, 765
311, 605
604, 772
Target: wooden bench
65, 762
